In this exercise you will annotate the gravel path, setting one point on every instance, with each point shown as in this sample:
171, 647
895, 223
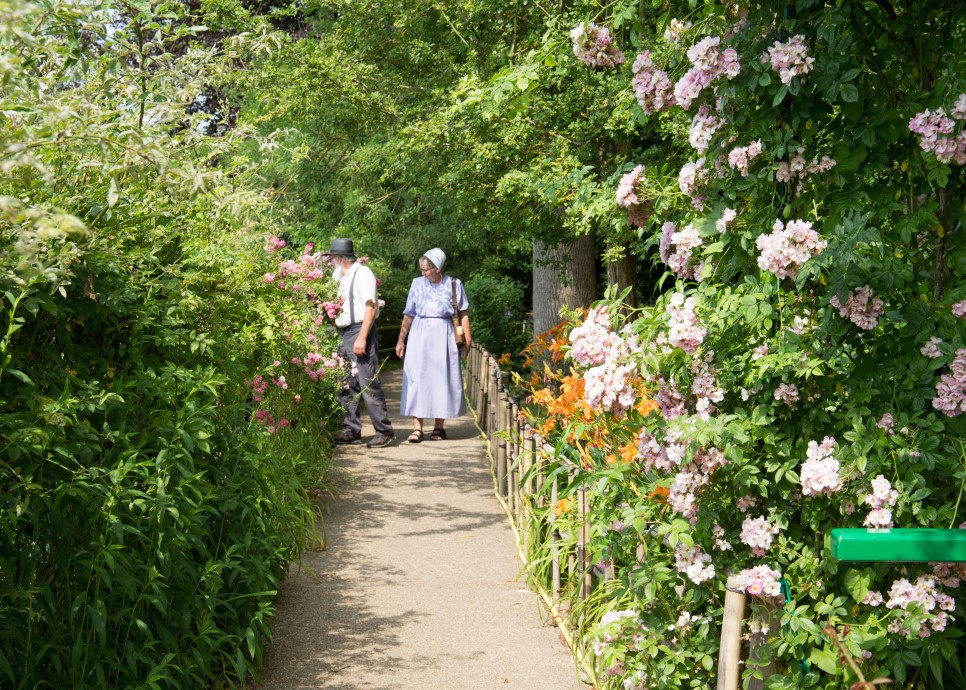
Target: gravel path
420, 586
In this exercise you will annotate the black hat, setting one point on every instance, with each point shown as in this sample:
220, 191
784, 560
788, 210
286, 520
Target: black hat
341, 246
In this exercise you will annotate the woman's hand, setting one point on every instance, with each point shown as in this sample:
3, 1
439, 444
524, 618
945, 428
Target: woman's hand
400, 348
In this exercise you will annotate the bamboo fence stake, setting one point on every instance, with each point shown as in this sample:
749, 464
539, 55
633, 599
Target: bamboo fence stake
501, 458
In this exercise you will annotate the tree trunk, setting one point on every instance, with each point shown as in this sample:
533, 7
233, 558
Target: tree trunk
623, 274
563, 276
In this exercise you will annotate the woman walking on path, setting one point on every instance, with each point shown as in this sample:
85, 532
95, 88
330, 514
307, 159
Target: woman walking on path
432, 379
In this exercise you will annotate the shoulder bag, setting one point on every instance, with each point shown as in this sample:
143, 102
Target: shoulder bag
457, 317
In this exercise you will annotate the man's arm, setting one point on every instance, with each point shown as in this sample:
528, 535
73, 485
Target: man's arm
368, 319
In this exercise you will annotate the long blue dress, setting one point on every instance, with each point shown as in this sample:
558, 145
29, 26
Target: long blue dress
432, 379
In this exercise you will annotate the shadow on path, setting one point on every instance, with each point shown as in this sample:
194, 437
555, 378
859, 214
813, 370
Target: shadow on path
419, 586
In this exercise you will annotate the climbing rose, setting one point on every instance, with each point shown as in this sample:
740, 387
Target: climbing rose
789, 59
594, 46
959, 309
651, 86
931, 348
683, 328
740, 156
788, 247
862, 308
820, 472
758, 533
760, 581
787, 393
936, 134
627, 196
881, 500
593, 341
675, 31
693, 562
951, 389
703, 127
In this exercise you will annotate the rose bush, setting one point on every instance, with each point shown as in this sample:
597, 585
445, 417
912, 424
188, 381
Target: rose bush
806, 365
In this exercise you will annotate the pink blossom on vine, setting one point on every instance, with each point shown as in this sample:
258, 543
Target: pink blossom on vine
670, 400
675, 31
759, 351
936, 136
608, 387
741, 156
959, 108
689, 87
887, 424
861, 307
787, 393
677, 247
760, 581
951, 389
627, 196
788, 247
746, 502
820, 471
872, 598
693, 562
692, 174
931, 348
959, 309
683, 328
720, 543
789, 59
268, 278
758, 533
594, 46
920, 601
682, 496
703, 127
593, 342
273, 243
705, 386
727, 216
651, 86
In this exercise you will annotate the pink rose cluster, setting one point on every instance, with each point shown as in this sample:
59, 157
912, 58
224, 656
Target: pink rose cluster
682, 494
693, 562
820, 471
786, 248
627, 196
881, 500
683, 329
760, 581
609, 387
758, 533
937, 132
787, 393
703, 127
740, 157
705, 387
789, 59
272, 425
959, 309
951, 389
670, 400
593, 342
676, 248
273, 243
798, 169
708, 63
258, 385
594, 46
861, 307
651, 86
924, 598
887, 423
675, 30
727, 216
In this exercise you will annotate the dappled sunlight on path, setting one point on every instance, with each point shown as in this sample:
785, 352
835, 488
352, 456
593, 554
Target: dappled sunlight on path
420, 586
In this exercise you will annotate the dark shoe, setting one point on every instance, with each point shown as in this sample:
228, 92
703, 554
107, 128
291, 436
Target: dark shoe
380, 440
347, 438
416, 436
438, 435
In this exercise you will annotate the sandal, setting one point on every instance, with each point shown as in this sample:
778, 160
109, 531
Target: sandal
438, 435
416, 436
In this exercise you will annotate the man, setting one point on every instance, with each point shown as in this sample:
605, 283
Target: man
356, 324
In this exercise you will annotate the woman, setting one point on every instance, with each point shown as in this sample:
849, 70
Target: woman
432, 378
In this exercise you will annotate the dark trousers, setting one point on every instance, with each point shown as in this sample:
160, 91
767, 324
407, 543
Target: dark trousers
364, 383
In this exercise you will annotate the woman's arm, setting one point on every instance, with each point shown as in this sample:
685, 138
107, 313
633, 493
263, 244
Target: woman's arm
403, 334
465, 322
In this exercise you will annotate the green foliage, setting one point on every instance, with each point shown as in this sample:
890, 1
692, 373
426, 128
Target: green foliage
145, 518
498, 314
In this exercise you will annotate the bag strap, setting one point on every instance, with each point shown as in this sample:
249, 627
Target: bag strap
456, 309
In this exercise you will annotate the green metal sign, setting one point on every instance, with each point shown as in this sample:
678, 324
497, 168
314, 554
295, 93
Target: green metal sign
904, 545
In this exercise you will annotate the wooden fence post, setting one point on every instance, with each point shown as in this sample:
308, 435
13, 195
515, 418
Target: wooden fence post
501, 456
729, 654
554, 538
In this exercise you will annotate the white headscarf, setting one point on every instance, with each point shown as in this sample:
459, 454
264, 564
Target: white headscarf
437, 256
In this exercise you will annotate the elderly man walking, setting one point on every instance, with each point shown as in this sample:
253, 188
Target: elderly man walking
356, 324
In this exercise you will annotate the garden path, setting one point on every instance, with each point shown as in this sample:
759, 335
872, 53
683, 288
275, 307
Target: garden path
420, 586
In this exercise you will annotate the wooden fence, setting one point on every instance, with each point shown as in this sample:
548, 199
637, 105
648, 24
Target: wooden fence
519, 462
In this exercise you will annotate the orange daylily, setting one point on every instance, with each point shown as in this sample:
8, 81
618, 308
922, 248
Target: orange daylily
562, 506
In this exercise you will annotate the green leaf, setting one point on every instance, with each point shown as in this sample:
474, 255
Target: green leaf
849, 93
780, 96
825, 659
857, 582
22, 376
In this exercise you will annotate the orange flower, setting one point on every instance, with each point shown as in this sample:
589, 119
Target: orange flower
504, 358
660, 494
562, 506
